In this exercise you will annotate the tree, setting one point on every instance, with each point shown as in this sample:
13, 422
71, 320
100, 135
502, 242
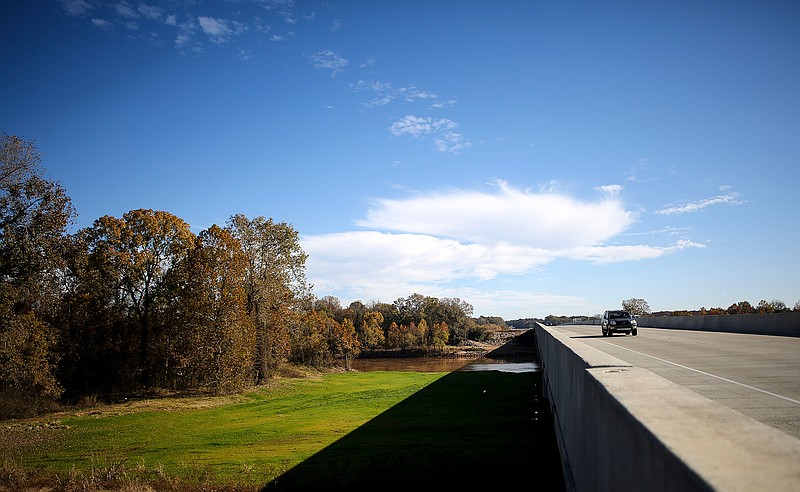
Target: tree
741, 307
96, 335
370, 334
309, 342
439, 334
34, 214
779, 305
395, 336
636, 307
765, 307
134, 254
275, 286
455, 312
343, 341
210, 336
331, 306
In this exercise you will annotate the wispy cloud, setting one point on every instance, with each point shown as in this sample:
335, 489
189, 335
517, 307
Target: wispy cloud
731, 198
617, 254
417, 126
101, 23
610, 190
442, 130
181, 21
219, 31
385, 92
76, 8
329, 60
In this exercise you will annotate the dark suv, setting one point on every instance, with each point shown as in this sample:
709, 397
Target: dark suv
617, 321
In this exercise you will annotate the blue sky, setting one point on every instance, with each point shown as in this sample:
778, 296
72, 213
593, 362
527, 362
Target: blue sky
529, 158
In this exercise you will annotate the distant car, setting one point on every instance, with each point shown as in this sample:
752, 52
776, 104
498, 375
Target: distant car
617, 321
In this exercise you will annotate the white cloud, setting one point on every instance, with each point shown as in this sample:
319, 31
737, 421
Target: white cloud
548, 220
218, 30
451, 142
75, 8
149, 11
124, 9
617, 254
610, 190
385, 93
432, 242
101, 23
366, 257
441, 129
329, 60
417, 126
732, 198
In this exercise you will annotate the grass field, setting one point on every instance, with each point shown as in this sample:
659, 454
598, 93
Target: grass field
390, 430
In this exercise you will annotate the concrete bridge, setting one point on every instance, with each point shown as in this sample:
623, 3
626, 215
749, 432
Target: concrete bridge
674, 410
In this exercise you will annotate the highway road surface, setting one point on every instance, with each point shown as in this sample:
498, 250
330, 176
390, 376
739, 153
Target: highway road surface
756, 375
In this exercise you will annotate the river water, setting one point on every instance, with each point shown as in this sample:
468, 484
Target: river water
434, 364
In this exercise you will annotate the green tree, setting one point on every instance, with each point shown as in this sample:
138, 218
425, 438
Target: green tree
34, 214
275, 286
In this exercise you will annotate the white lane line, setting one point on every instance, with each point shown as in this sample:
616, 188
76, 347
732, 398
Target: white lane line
706, 373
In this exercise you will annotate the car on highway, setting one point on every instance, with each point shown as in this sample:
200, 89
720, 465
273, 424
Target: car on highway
618, 322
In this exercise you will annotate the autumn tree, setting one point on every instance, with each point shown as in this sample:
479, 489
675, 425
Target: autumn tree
355, 312
133, 255
370, 334
636, 307
343, 342
420, 333
765, 307
95, 333
741, 307
331, 306
396, 336
438, 334
210, 336
275, 286
307, 336
455, 312
34, 214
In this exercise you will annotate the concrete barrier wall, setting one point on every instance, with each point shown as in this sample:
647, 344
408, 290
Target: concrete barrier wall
786, 324
622, 428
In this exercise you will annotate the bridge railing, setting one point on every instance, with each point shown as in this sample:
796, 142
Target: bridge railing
623, 428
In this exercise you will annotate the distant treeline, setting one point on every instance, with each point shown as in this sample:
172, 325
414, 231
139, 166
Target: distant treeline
139, 302
640, 307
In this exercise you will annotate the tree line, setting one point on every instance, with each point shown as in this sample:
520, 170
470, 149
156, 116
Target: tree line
640, 307
140, 302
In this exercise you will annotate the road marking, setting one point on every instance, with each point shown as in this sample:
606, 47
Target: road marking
706, 373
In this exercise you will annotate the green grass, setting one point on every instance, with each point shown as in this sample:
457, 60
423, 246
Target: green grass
355, 430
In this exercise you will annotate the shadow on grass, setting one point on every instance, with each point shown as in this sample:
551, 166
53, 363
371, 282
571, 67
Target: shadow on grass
468, 429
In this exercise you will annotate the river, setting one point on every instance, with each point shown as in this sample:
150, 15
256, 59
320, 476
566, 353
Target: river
440, 364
